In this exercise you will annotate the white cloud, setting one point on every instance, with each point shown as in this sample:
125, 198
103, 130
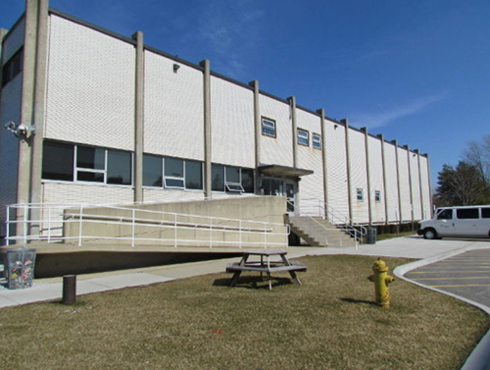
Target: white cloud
387, 117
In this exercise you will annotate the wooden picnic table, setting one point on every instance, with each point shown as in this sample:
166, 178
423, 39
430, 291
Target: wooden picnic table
265, 265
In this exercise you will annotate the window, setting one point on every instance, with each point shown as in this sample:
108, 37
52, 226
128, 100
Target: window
377, 196
233, 181
193, 175
446, 214
316, 141
152, 170
485, 213
467, 213
68, 162
90, 164
57, 161
303, 137
360, 194
268, 127
217, 177
12, 68
174, 173
118, 167
248, 180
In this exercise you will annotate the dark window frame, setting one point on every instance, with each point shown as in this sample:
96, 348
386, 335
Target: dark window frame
13, 67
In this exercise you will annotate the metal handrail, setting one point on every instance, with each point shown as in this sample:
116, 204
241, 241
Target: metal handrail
53, 230
334, 216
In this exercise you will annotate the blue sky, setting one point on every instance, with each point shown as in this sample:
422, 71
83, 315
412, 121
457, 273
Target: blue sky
415, 71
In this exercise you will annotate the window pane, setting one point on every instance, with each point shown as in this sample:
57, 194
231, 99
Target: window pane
88, 157
90, 176
485, 213
317, 141
193, 175
218, 178
174, 183
248, 180
152, 170
232, 174
118, 167
57, 161
446, 214
303, 137
174, 167
268, 128
469, 213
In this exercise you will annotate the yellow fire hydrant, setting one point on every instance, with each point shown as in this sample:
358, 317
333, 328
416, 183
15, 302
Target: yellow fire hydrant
381, 280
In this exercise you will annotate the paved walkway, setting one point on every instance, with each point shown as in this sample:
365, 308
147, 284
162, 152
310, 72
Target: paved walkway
427, 253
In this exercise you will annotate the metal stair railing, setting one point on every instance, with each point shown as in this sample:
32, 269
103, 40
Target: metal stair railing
321, 209
298, 212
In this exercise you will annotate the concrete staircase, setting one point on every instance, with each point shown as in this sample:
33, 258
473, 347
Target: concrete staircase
318, 232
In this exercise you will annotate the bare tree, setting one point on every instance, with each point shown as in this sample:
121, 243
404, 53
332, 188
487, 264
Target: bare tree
478, 155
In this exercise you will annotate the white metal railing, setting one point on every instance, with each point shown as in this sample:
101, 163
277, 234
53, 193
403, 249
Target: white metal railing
316, 207
87, 223
299, 212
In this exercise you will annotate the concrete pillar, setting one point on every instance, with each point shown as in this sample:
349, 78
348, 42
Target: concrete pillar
40, 81
345, 121
321, 112
139, 107
207, 127
385, 195
27, 98
258, 132
431, 205
409, 162
398, 182
422, 214
292, 105
368, 176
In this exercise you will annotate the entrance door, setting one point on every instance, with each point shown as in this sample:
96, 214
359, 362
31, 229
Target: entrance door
281, 187
290, 193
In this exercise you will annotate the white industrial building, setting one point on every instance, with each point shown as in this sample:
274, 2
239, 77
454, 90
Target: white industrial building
96, 117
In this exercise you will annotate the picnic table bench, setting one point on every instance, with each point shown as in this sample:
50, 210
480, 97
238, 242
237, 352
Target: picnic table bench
266, 265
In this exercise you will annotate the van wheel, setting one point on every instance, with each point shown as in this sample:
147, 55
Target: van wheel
430, 234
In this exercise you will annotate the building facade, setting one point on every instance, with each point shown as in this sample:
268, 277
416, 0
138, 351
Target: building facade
99, 118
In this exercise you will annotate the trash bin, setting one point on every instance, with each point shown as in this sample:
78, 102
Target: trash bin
20, 268
371, 235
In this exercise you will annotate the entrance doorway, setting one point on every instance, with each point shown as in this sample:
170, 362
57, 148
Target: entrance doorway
281, 187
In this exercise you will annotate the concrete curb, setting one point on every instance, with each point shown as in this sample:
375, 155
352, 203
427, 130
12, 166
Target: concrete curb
479, 358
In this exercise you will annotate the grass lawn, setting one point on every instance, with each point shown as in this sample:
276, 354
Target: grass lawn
200, 323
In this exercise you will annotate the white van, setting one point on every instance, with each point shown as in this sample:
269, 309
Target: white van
467, 221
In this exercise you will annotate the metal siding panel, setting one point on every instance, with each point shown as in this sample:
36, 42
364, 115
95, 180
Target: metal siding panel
57, 192
9, 145
174, 113
90, 87
376, 179
414, 170
162, 195
232, 116
338, 197
426, 194
357, 154
277, 150
391, 182
310, 186
14, 41
404, 184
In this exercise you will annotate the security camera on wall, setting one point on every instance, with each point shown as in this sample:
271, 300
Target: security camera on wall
21, 130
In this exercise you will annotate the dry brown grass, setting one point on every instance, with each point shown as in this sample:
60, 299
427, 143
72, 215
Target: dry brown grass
328, 323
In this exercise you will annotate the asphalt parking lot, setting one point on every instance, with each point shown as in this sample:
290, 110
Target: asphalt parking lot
466, 275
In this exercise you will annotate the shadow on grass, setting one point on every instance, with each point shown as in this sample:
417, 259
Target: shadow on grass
352, 300
253, 282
